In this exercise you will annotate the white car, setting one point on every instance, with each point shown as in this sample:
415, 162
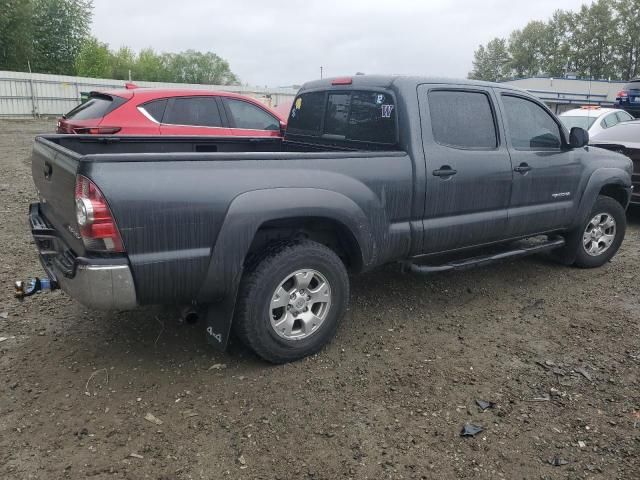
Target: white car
594, 119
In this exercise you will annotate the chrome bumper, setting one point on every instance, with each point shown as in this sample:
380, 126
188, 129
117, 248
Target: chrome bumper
102, 287
102, 284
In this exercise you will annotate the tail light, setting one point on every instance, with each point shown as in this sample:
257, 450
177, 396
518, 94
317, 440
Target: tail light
622, 95
98, 228
96, 130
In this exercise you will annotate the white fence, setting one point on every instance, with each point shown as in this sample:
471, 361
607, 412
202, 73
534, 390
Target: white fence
36, 94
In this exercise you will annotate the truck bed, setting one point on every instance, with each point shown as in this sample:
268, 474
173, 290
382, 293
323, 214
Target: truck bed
170, 197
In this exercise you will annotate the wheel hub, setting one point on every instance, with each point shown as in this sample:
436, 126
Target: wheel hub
300, 304
599, 234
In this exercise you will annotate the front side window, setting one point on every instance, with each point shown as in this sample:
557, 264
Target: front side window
530, 126
193, 111
363, 116
462, 119
610, 120
247, 115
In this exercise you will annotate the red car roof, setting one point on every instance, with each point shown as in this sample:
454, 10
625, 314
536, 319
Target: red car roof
145, 94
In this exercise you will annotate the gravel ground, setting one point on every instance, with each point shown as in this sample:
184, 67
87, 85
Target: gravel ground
556, 349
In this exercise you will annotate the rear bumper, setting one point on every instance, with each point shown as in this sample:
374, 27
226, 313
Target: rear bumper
98, 283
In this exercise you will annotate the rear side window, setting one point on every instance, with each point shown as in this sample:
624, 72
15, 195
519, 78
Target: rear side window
530, 126
193, 111
247, 115
624, 116
364, 116
462, 119
155, 109
97, 106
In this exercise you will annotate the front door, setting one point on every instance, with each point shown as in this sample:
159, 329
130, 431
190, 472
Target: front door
469, 173
546, 171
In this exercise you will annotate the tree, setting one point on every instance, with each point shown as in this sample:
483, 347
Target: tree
150, 66
628, 48
527, 48
593, 39
491, 62
15, 34
123, 63
94, 59
197, 67
556, 47
60, 28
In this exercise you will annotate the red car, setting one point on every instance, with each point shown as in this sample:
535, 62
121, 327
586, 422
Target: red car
155, 111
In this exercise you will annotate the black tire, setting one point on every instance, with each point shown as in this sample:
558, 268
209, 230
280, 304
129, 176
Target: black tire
609, 206
252, 322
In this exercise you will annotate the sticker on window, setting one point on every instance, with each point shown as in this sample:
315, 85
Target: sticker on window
298, 103
379, 99
386, 111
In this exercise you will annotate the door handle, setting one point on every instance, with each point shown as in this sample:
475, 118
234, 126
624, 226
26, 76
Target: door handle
522, 168
444, 171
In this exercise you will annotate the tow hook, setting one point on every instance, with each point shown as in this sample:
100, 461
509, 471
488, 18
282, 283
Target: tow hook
33, 285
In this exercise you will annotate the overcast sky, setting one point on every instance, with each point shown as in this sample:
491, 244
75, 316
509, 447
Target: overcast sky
284, 42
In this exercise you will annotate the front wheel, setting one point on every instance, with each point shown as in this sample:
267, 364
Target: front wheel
601, 234
291, 302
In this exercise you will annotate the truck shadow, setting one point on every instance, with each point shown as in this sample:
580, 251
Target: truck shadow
380, 300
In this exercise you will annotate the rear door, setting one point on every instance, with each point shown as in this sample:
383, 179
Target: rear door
193, 116
546, 172
249, 120
469, 174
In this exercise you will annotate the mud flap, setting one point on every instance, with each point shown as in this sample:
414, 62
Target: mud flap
218, 322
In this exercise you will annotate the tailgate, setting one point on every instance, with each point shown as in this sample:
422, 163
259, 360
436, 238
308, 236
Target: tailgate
54, 173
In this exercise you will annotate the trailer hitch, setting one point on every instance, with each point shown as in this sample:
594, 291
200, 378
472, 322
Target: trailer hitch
33, 285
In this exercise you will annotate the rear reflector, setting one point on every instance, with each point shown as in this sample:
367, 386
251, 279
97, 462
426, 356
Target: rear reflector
342, 81
96, 130
97, 226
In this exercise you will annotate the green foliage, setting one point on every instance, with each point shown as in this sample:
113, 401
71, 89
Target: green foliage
122, 63
15, 34
94, 59
60, 28
53, 37
197, 67
491, 62
600, 41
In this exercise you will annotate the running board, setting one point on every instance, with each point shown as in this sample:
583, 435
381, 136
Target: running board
466, 263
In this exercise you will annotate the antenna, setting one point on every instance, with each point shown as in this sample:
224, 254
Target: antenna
589, 99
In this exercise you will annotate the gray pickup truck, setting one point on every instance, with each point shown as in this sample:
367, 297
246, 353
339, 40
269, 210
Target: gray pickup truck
259, 235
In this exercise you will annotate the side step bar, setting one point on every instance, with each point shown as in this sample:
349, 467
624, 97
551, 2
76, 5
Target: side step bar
466, 263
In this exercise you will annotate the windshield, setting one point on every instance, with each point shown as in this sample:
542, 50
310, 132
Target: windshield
582, 122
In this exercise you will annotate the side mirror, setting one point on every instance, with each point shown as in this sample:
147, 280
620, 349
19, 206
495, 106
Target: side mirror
578, 137
283, 128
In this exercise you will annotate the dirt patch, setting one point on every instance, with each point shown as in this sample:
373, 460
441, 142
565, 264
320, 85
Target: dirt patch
557, 349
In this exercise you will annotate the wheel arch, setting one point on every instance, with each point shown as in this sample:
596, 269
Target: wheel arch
611, 182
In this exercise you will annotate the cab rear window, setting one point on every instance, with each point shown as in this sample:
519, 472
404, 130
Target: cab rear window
97, 106
363, 116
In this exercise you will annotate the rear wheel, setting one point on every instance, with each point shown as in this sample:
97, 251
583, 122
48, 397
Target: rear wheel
291, 302
602, 233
